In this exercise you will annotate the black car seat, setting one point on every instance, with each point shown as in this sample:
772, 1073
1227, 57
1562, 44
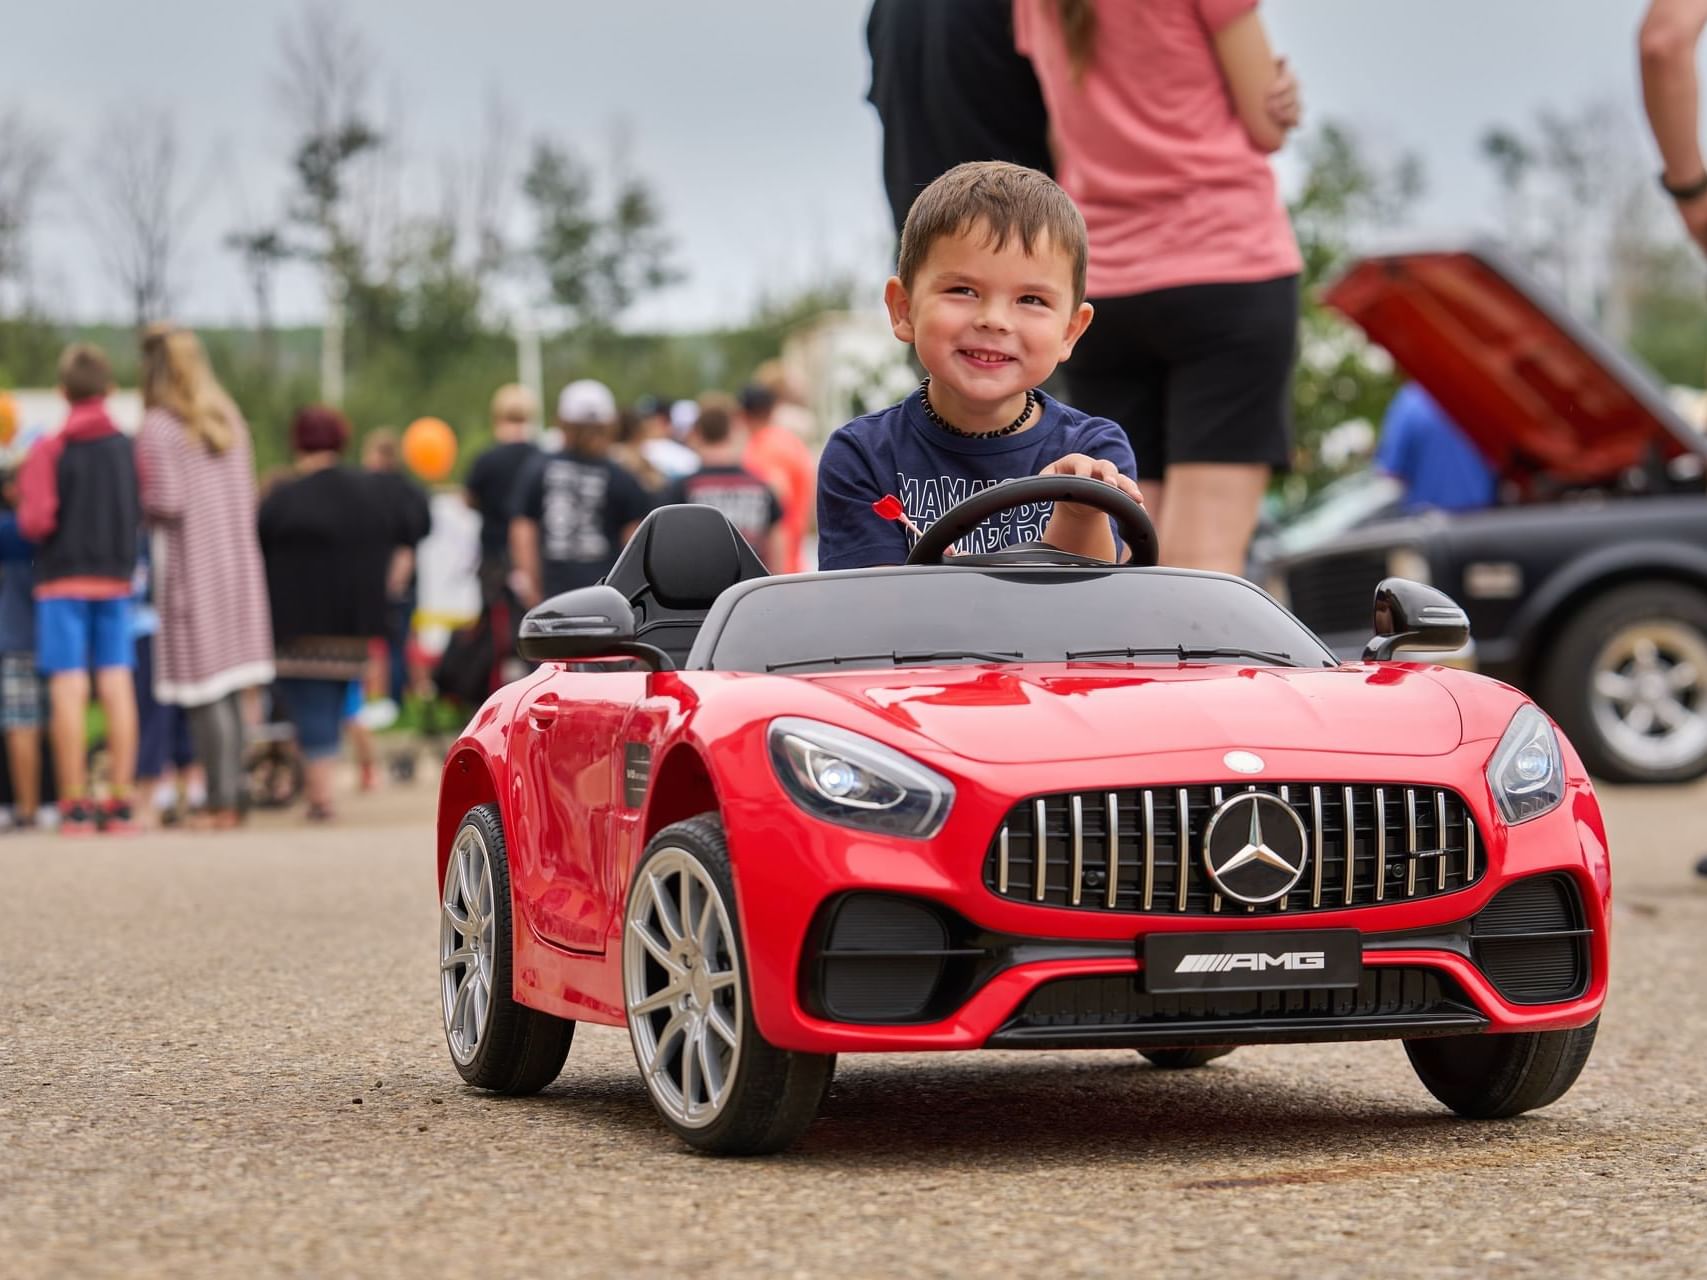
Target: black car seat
679, 561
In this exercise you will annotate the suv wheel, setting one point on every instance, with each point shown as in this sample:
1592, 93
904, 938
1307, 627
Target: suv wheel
1490, 1077
1627, 681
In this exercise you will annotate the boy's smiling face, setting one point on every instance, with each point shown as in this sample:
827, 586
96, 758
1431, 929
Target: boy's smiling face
987, 323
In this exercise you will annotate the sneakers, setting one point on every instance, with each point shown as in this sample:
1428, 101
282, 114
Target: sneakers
76, 818
117, 819
82, 818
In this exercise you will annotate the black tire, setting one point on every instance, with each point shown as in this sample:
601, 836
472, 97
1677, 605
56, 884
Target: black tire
773, 1094
1564, 687
1184, 1059
273, 776
520, 1050
1490, 1077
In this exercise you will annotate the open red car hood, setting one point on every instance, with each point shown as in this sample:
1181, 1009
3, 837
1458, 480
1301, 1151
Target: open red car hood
1538, 392
1051, 711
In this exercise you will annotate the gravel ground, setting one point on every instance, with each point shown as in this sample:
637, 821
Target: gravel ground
222, 1055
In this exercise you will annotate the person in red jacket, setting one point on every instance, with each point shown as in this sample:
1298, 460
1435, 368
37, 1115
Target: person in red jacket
77, 501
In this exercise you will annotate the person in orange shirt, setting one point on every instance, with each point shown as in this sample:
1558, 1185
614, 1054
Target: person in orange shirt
780, 458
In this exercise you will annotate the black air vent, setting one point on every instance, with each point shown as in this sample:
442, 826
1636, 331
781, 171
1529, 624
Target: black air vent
1114, 1010
1531, 941
888, 960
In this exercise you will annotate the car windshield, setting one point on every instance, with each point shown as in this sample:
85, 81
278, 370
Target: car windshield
1346, 503
905, 617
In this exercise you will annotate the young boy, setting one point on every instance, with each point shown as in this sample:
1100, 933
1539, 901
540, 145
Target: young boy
78, 502
990, 292
723, 482
20, 686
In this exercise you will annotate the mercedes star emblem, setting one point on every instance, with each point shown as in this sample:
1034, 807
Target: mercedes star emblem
1256, 857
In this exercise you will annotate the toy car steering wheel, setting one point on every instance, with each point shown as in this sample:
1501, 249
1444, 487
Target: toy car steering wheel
958, 521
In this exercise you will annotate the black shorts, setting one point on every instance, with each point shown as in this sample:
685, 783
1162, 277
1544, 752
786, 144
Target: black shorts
1199, 373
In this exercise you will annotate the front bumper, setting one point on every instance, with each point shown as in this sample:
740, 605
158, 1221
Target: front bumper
791, 869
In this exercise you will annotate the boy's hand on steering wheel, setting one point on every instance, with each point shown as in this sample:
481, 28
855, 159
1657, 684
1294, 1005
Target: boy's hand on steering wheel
1080, 464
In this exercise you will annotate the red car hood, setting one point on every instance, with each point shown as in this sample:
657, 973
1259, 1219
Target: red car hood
1056, 711
1538, 391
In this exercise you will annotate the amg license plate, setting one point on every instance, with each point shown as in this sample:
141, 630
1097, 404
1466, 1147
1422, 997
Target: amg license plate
1252, 961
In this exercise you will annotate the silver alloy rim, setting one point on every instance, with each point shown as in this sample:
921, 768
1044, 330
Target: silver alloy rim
1648, 694
467, 943
681, 983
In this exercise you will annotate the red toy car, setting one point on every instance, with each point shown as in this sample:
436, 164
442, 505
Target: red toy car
1018, 800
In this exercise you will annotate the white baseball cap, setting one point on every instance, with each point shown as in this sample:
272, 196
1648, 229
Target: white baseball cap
683, 415
586, 400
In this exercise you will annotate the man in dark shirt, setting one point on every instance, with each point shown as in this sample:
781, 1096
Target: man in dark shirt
722, 482
491, 483
574, 509
411, 515
949, 86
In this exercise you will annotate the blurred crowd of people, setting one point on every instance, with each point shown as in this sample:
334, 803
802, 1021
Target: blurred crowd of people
236, 632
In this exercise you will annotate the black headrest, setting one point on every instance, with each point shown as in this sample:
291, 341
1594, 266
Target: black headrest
688, 555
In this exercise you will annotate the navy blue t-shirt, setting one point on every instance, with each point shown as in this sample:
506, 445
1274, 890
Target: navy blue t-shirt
901, 452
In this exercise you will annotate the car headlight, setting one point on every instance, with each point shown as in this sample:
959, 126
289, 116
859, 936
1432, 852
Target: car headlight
1527, 772
846, 778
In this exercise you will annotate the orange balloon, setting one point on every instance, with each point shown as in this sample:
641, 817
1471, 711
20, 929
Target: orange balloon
429, 448
8, 418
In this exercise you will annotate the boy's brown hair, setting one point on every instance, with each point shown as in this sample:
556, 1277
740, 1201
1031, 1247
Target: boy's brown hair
84, 372
1006, 200
716, 418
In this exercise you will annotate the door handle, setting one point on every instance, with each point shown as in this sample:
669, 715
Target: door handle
544, 710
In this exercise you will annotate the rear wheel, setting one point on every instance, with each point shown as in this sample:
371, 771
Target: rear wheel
1627, 681
1184, 1059
1490, 1077
713, 1079
495, 1042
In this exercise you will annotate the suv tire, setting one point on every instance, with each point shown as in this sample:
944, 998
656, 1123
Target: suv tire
1602, 647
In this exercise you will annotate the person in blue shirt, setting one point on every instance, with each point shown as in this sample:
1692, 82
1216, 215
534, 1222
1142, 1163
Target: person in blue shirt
990, 293
1426, 450
20, 685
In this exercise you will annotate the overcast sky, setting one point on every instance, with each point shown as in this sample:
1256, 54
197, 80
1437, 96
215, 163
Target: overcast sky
748, 116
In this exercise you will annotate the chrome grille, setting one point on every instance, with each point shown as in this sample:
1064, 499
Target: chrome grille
1366, 844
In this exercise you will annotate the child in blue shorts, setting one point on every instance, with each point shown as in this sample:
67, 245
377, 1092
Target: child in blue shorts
990, 293
78, 503
20, 685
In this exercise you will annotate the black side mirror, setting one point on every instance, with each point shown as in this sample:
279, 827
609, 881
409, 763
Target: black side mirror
1409, 615
590, 622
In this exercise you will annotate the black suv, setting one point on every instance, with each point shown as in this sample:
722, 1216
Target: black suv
1587, 585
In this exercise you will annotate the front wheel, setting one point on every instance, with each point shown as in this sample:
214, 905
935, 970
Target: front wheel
715, 1081
1490, 1077
495, 1042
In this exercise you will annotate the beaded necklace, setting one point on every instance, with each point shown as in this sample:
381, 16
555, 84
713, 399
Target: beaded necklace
1015, 425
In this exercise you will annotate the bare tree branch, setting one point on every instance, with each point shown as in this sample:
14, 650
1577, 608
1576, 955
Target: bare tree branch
323, 84
26, 169
136, 207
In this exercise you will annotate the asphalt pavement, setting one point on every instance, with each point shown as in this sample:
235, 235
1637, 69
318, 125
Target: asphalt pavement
221, 1055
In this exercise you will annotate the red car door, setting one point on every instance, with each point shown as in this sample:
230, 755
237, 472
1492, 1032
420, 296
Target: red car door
568, 764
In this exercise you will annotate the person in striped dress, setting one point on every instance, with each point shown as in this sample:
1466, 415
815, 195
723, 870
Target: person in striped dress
196, 472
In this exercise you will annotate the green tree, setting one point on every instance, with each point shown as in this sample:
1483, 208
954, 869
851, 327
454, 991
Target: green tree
1340, 376
596, 258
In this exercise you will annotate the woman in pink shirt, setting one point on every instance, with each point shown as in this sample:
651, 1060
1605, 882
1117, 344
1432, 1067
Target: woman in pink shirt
1162, 114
